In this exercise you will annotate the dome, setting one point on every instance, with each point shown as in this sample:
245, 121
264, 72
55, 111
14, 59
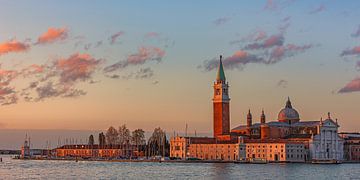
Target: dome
288, 114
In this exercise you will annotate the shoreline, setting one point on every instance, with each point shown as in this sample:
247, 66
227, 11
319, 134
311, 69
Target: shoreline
175, 161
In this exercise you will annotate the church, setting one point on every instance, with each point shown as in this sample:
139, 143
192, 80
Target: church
287, 139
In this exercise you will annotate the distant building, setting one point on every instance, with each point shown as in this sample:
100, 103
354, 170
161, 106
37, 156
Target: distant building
25, 148
97, 151
305, 140
351, 146
276, 151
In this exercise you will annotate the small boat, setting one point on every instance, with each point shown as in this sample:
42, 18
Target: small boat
258, 161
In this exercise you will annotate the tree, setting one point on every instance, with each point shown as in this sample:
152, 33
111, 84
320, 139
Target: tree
138, 137
102, 140
158, 144
124, 135
91, 140
111, 135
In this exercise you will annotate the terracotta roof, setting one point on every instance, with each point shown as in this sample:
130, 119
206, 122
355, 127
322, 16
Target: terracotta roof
301, 136
271, 141
306, 123
95, 146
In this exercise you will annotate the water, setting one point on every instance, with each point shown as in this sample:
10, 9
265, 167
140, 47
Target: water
20, 169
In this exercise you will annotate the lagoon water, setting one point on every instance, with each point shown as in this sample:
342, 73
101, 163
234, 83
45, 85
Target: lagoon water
30, 169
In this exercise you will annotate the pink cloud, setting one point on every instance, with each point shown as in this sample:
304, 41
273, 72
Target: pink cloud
114, 37
52, 35
237, 60
76, 67
7, 76
353, 51
13, 46
289, 50
143, 55
271, 5
146, 53
152, 35
277, 5
274, 40
352, 86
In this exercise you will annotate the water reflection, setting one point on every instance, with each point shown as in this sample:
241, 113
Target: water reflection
20, 169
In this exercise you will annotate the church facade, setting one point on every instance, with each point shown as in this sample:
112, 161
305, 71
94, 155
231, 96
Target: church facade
301, 141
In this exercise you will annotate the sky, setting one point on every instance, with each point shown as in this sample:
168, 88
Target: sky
81, 65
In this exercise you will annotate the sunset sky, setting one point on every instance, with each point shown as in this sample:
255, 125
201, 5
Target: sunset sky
85, 66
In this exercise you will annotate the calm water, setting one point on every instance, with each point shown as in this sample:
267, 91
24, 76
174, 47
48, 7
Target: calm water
18, 169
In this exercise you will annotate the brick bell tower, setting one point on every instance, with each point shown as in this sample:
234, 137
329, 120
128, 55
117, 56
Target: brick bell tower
221, 102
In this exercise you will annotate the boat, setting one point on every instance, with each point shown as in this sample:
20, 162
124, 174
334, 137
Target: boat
258, 161
324, 161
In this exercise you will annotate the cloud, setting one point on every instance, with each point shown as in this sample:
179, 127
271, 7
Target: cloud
155, 82
77, 67
277, 5
144, 73
241, 57
271, 5
282, 83
319, 9
289, 50
8, 96
143, 55
356, 33
51, 90
114, 37
352, 86
237, 60
52, 35
358, 65
221, 21
257, 35
353, 51
152, 35
59, 77
274, 40
13, 46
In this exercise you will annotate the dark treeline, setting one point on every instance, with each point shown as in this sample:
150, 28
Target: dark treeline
157, 144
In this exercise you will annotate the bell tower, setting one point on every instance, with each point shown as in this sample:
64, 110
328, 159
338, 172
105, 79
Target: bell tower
221, 102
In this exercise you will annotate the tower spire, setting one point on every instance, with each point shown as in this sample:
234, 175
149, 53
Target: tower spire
288, 103
220, 74
262, 118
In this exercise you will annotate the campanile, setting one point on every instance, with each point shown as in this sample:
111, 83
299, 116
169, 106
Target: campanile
221, 102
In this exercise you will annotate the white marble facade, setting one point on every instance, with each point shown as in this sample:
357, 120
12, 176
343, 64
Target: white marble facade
327, 144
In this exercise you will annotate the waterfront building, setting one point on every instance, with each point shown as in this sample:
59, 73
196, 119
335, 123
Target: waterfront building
98, 151
275, 151
351, 146
305, 140
327, 144
207, 148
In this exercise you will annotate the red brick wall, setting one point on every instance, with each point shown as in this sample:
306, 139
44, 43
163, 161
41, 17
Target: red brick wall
221, 118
